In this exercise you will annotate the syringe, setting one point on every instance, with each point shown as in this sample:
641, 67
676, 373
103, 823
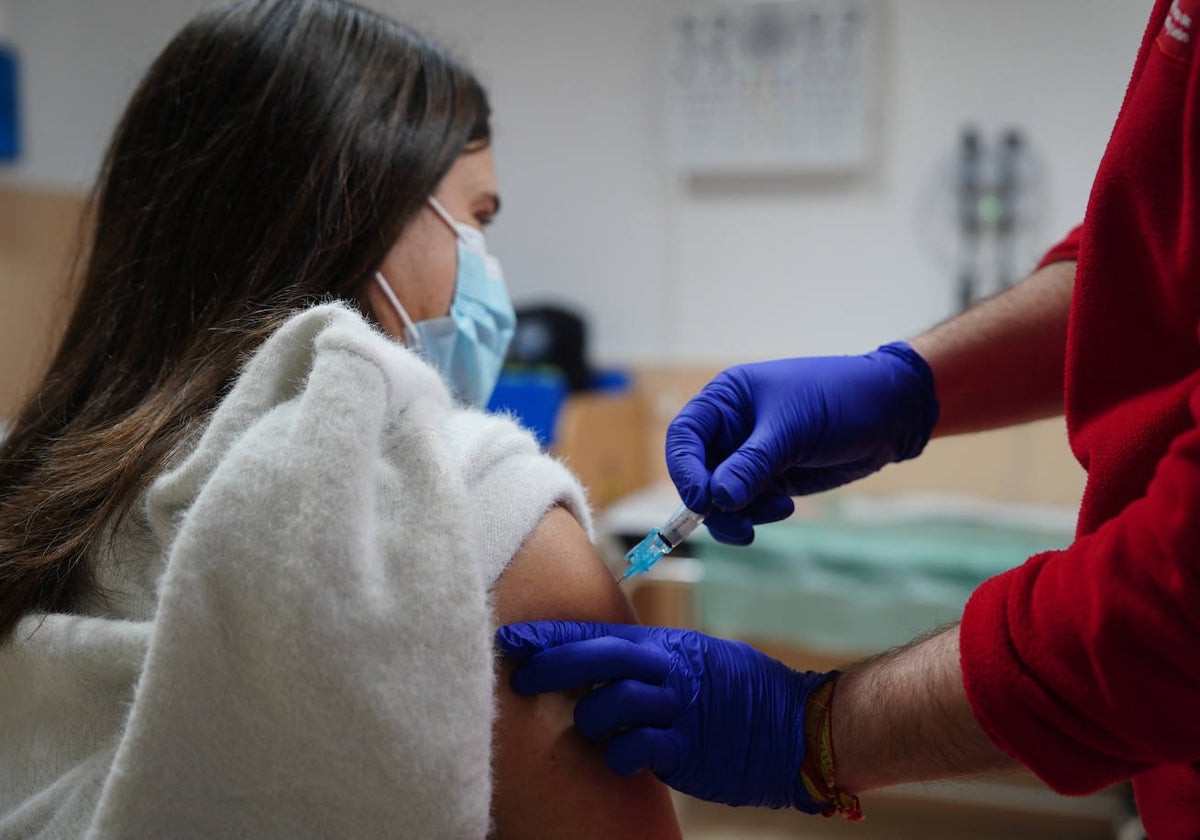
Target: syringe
661, 541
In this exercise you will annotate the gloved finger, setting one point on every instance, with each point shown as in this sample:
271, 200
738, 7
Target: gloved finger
810, 481
737, 527
730, 527
770, 507
646, 748
623, 704
748, 472
522, 640
687, 464
586, 663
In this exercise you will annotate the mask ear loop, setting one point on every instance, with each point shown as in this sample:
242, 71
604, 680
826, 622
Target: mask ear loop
410, 329
446, 217
455, 225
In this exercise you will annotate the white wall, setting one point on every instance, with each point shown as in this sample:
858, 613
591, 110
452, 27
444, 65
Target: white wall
591, 217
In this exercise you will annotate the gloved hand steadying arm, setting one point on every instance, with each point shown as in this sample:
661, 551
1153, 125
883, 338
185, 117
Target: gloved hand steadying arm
761, 433
712, 718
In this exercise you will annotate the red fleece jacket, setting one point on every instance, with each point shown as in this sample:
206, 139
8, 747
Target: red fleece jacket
1084, 664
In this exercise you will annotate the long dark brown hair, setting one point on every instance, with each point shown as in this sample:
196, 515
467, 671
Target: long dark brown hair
268, 161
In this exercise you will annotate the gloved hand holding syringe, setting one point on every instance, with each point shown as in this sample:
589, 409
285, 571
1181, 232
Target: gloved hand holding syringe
662, 541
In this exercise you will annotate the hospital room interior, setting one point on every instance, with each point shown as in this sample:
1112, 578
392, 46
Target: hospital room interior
689, 185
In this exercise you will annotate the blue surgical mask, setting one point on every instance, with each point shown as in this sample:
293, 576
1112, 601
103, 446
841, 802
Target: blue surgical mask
468, 346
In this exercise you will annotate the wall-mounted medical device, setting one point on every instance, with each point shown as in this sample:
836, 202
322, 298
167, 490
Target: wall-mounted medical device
981, 216
781, 86
995, 201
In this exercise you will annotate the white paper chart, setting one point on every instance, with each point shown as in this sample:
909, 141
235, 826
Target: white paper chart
782, 86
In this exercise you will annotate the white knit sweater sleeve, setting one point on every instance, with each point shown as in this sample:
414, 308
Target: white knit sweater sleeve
320, 662
511, 484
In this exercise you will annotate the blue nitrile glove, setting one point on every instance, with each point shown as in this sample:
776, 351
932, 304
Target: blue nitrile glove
712, 718
761, 433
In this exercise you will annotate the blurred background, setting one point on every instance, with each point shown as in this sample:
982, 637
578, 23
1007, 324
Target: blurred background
689, 185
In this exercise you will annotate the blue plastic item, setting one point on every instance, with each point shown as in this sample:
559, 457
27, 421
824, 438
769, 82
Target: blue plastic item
534, 396
609, 380
10, 133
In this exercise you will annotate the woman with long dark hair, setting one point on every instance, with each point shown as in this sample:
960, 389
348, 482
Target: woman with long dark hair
252, 544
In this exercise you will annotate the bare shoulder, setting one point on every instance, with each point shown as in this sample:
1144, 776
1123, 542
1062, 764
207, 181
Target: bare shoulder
549, 781
558, 574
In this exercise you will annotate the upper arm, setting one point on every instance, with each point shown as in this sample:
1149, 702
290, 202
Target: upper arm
549, 781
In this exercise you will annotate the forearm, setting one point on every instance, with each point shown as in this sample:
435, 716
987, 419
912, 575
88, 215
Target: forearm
1002, 362
904, 717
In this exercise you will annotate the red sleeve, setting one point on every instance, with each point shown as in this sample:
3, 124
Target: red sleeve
1067, 249
1084, 664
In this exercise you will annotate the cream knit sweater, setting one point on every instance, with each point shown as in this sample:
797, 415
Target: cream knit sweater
296, 640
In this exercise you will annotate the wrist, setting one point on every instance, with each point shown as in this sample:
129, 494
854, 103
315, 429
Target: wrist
819, 791
913, 398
